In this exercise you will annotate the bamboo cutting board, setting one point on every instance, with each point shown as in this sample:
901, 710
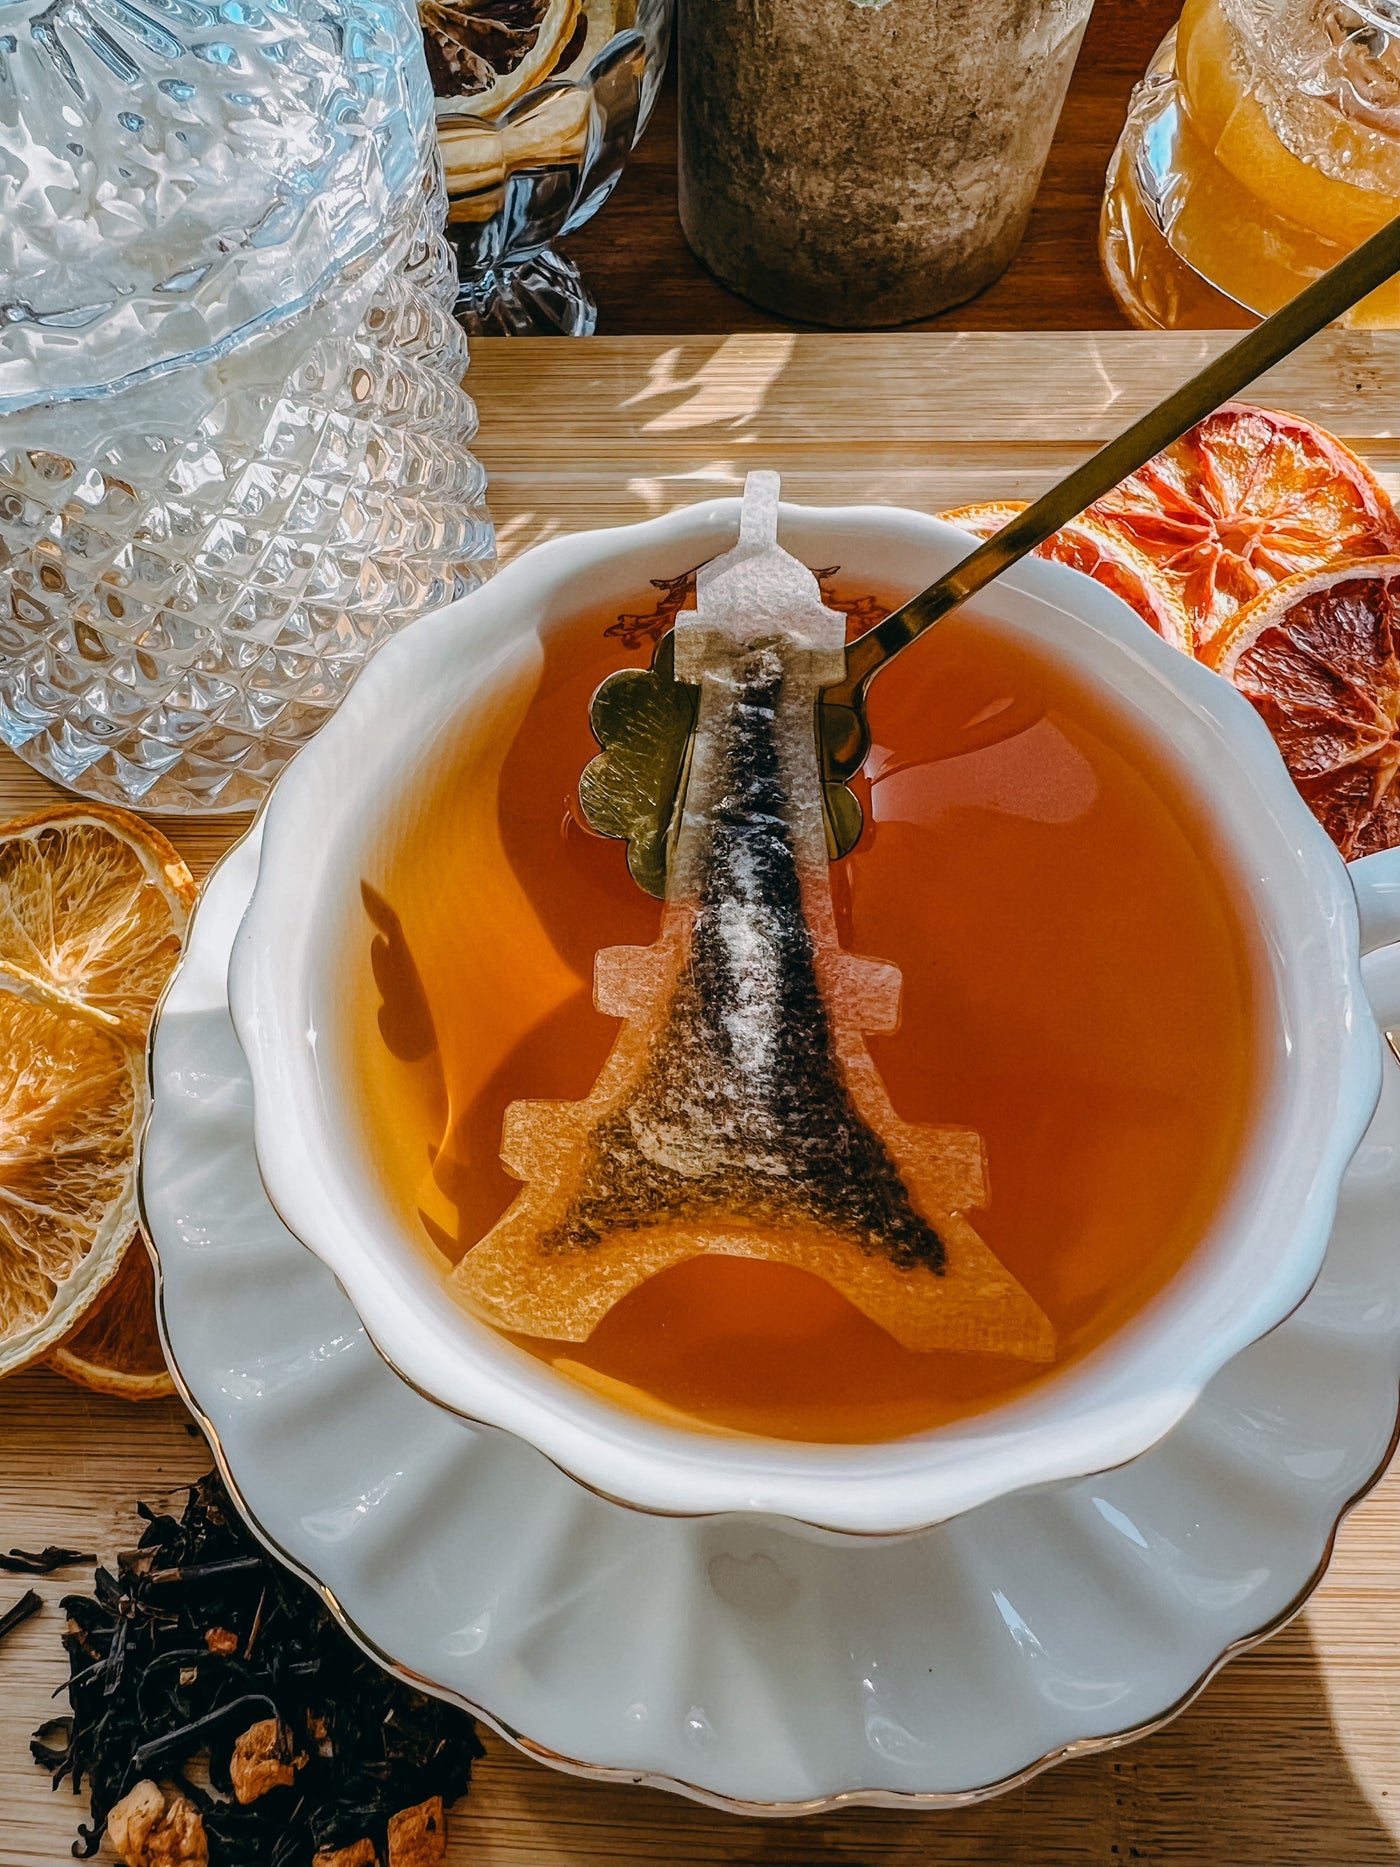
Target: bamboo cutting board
1292, 1756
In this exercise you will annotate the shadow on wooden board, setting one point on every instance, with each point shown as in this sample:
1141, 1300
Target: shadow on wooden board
1252, 1775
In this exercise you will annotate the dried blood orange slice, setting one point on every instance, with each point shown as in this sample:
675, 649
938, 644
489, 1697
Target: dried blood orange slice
486, 53
1359, 805
1319, 656
1242, 501
1381, 829
93, 908
1103, 554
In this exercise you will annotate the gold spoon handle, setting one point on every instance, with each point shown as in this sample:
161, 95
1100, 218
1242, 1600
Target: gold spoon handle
844, 737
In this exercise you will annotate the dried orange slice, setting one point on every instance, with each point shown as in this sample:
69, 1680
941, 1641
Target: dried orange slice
116, 1348
479, 157
1319, 656
71, 1102
485, 53
480, 153
93, 908
1359, 805
1242, 501
1101, 553
598, 21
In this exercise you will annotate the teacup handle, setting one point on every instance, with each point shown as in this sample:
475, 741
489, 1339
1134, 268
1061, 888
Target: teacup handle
1376, 880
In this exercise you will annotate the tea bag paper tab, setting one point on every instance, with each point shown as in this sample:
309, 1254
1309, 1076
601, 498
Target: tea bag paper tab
739, 1111
757, 592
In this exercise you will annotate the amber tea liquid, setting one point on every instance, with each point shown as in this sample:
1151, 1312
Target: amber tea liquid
1077, 988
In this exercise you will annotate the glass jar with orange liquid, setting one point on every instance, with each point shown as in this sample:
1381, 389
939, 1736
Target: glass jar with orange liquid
1261, 147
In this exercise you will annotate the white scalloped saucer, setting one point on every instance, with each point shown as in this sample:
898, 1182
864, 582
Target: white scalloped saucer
735, 1660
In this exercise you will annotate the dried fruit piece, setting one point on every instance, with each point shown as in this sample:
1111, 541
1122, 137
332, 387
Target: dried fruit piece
489, 52
596, 24
418, 1836
1247, 503
93, 908
1245, 499
359, 1854
264, 1758
480, 155
131, 1820
1359, 805
1319, 656
150, 1829
483, 144
72, 1100
116, 1347
1101, 553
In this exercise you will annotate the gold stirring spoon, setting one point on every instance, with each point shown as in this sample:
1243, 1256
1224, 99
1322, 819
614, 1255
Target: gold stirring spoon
644, 718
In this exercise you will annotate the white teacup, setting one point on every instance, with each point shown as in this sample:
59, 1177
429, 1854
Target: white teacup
339, 810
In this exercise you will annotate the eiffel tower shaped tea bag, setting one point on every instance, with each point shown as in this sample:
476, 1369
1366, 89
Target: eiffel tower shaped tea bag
739, 1111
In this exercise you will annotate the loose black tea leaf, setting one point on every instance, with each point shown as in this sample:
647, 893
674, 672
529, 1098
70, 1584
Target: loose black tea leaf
202, 1658
43, 1561
29, 1603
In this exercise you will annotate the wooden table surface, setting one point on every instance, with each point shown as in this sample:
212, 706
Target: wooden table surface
1290, 1757
646, 280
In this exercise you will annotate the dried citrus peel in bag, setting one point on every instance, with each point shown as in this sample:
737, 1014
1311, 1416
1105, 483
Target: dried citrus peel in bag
739, 1111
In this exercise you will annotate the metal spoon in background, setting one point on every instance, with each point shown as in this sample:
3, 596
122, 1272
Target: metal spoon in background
644, 718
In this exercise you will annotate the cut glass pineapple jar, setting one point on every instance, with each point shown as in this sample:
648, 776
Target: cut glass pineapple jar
1262, 146
233, 438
